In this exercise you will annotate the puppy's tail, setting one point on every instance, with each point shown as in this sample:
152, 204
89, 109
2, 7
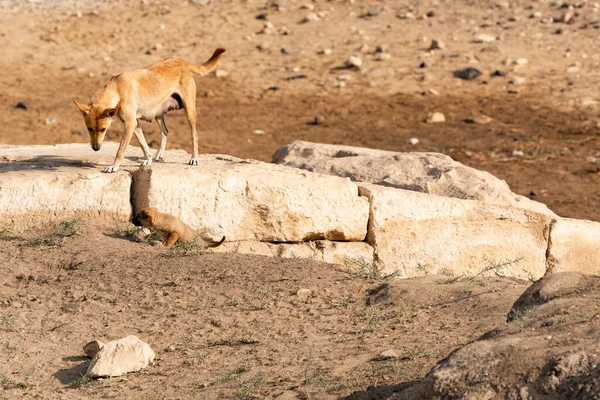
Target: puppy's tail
220, 242
209, 65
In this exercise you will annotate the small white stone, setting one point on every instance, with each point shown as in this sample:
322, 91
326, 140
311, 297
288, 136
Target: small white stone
521, 61
484, 38
344, 77
258, 132
413, 141
50, 121
304, 294
518, 153
354, 61
383, 56
311, 17
435, 117
517, 80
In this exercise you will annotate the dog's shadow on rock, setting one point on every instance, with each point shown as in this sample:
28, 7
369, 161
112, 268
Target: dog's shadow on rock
44, 163
68, 375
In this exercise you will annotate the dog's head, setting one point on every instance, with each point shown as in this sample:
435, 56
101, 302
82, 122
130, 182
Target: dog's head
97, 122
145, 217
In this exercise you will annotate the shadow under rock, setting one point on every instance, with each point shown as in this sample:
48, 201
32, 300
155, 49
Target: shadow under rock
68, 375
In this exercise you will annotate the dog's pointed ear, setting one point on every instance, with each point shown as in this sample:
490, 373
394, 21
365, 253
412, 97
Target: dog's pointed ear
109, 112
84, 108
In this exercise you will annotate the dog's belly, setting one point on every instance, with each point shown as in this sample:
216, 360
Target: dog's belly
174, 102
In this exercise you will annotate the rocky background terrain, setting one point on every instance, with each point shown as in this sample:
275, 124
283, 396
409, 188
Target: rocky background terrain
505, 87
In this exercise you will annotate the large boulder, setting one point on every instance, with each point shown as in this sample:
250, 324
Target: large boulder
431, 173
252, 200
418, 234
547, 350
119, 357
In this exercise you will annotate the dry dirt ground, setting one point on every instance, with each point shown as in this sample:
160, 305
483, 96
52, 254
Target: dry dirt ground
235, 324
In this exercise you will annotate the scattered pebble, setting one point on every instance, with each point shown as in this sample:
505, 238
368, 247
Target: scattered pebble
294, 77
433, 92
498, 72
354, 62
588, 102
170, 349
468, 74
311, 17
344, 77
326, 52
382, 48
484, 38
221, 73
521, 61
50, 121
388, 355
304, 294
258, 132
518, 153
383, 56
479, 120
22, 105
435, 118
286, 50
436, 45
517, 80
413, 141
318, 120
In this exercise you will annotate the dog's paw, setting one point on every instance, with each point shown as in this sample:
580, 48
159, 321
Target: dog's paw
146, 162
111, 169
193, 161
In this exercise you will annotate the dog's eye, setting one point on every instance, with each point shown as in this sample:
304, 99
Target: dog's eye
91, 129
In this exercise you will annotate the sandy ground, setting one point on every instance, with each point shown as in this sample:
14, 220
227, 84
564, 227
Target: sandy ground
234, 323
57, 51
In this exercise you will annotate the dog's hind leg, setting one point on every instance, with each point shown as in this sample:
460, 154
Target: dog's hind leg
160, 119
142, 140
188, 95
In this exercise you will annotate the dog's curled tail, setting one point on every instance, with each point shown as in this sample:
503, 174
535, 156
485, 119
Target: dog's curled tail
210, 64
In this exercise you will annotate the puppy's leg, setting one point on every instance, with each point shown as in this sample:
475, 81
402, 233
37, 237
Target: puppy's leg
130, 125
142, 140
173, 237
163, 137
188, 95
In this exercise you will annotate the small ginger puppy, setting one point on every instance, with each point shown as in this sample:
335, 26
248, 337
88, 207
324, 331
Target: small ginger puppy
172, 228
147, 94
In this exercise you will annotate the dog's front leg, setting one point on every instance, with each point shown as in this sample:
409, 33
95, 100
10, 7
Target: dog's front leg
130, 126
142, 140
173, 237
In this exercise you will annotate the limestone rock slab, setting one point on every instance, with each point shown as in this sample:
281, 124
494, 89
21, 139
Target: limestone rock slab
250, 200
574, 246
418, 234
432, 173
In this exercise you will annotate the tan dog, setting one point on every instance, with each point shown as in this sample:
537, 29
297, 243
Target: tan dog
172, 228
147, 94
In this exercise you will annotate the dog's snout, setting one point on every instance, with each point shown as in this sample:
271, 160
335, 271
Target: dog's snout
96, 148
136, 221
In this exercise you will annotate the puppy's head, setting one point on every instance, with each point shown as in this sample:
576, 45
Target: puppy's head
97, 122
145, 217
